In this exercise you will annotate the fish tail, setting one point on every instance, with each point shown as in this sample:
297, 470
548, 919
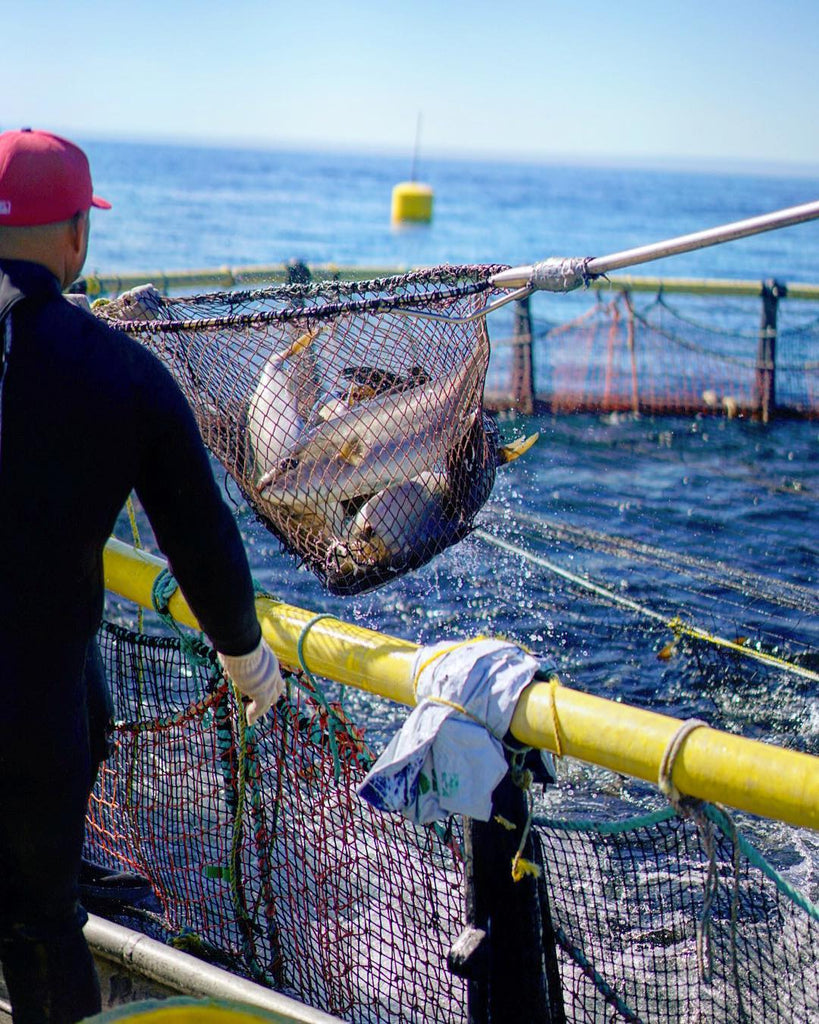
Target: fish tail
299, 345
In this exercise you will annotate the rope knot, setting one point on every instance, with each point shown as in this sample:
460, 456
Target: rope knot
668, 759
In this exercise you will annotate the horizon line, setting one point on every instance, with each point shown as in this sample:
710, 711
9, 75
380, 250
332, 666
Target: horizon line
668, 162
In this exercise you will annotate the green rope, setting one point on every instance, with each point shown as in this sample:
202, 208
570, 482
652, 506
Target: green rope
202, 656
606, 828
163, 589
262, 840
753, 856
235, 863
596, 979
318, 694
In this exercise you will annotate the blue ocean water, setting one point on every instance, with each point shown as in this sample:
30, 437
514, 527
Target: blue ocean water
178, 207
734, 502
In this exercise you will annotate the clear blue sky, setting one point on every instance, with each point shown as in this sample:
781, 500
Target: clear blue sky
722, 81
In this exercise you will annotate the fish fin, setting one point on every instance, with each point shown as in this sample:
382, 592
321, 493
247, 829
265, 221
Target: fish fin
514, 450
352, 452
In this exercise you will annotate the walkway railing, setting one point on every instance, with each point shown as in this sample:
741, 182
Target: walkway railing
622, 363
710, 765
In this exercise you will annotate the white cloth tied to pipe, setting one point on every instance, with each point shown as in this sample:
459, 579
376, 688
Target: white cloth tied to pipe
447, 757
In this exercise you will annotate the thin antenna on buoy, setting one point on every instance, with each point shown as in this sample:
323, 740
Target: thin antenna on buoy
417, 146
412, 200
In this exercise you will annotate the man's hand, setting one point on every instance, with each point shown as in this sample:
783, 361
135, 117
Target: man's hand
257, 676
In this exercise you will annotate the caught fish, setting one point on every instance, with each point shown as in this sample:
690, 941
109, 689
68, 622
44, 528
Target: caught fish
404, 525
397, 435
399, 520
363, 472
274, 420
366, 382
144, 302
369, 381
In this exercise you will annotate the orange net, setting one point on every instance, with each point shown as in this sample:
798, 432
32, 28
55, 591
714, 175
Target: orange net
615, 357
261, 854
698, 355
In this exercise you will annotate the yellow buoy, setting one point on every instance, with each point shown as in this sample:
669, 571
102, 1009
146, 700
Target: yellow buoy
411, 202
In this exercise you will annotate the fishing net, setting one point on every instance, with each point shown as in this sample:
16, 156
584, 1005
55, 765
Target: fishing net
679, 919
256, 847
261, 857
667, 355
258, 851
354, 427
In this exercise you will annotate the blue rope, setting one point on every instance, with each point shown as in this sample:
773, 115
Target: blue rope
164, 587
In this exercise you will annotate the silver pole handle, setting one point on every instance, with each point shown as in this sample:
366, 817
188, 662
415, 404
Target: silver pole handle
566, 274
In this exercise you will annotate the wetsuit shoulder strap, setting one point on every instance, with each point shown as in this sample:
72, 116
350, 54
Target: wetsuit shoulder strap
10, 295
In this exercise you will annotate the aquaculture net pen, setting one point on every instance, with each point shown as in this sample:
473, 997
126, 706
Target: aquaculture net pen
260, 856
254, 842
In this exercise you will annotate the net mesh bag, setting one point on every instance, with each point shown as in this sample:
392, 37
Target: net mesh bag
352, 423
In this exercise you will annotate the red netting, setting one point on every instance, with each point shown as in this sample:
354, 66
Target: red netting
259, 849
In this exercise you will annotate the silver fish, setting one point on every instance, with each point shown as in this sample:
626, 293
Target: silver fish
404, 525
384, 440
141, 303
274, 415
407, 517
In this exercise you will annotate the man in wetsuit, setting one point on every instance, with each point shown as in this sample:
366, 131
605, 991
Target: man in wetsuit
86, 415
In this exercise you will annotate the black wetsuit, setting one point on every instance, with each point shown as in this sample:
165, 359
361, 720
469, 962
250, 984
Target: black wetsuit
87, 415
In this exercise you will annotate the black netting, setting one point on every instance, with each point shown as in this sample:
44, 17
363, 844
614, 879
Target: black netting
262, 857
354, 427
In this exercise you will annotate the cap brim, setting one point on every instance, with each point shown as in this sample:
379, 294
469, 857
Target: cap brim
100, 203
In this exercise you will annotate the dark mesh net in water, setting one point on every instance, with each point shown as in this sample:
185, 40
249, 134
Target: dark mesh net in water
261, 854
678, 919
355, 430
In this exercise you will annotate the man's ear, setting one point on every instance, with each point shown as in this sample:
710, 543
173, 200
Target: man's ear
78, 226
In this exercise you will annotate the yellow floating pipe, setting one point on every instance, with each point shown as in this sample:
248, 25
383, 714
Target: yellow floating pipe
229, 277
331, 648
711, 765
698, 286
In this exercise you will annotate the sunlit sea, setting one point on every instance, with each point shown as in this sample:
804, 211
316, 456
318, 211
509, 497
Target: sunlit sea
726, 510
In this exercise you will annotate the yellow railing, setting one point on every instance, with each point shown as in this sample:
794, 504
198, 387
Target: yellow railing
224, 277
711, 765
230, 277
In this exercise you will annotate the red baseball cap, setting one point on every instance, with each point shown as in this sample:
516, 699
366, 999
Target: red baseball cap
43, 179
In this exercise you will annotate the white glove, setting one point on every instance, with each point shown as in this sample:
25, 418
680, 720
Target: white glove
257, 676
